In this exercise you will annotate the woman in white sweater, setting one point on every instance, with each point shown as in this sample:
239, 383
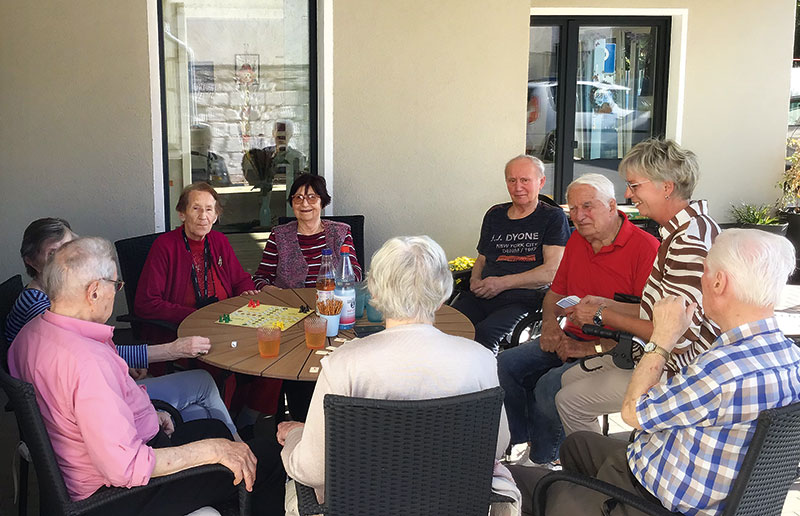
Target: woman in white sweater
408, 281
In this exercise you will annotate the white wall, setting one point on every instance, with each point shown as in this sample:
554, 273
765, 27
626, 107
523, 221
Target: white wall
428, 105
729, 101
76, 134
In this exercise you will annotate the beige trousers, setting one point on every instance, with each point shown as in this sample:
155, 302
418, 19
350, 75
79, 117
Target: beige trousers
584, 396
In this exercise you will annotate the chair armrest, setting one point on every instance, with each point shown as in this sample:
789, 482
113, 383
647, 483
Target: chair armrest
307, 503
626, 497
129, 318
107, 495
498, 498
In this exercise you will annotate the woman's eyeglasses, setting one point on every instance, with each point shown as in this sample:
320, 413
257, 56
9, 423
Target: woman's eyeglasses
299, 198
633, 186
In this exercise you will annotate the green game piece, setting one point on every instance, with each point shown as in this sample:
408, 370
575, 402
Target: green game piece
221, 318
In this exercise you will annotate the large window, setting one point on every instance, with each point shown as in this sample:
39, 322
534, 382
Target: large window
596, 87
239, 109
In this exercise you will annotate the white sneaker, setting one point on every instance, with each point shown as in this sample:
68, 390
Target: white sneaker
519, 454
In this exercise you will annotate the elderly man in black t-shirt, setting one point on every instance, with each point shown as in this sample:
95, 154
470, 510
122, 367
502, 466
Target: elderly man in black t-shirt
519, 250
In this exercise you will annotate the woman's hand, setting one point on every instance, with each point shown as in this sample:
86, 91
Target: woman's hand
272, 288
284, 428
137, 374
248, 293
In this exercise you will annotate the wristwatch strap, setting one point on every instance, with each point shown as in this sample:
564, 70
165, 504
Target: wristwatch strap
658, 350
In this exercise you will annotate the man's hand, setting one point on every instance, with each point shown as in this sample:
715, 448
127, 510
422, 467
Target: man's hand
189, 347
571, 348
284, 428
165, 422
551, 338
671, 319
488, 287
583, 312
238, 458
137, 374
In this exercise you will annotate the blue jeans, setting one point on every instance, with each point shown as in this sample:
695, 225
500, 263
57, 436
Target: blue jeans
193, 393
531, 378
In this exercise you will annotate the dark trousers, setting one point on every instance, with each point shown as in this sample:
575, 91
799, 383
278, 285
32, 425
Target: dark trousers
496, 317
590, 454
212, 489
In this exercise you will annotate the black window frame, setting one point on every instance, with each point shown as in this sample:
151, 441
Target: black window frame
313, 105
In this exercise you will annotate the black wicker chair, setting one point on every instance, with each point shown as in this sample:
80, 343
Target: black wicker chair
760, 488
356, 223
53, 497
406, 458
132, 253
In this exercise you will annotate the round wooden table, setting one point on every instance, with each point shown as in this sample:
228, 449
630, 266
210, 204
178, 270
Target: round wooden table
295, 361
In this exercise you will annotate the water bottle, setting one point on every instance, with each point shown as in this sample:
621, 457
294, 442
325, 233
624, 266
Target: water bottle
326, 281
346, 291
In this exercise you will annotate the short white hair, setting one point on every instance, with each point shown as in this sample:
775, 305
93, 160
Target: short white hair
76, 264
602, 184
409, 278
536, 162
758, 264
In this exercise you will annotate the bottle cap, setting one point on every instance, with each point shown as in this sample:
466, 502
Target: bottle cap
345, 249
327, 251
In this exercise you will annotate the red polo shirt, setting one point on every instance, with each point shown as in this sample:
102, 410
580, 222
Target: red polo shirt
622, 267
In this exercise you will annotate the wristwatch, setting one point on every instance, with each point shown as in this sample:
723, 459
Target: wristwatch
652, 347
598, 316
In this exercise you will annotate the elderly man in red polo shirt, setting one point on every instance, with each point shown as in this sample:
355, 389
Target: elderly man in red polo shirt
606, 255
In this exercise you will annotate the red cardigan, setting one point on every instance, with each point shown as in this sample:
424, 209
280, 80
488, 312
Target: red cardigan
167, 273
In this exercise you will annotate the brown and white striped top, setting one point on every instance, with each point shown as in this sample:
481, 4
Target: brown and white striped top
687, 238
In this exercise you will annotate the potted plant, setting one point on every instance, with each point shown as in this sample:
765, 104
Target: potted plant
755, 216
789, 184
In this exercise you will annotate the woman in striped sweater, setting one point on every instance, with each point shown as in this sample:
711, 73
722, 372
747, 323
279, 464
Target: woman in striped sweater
660, 178
293, 253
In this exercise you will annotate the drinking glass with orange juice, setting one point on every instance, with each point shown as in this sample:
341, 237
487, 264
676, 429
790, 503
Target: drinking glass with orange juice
269, 340
315, 328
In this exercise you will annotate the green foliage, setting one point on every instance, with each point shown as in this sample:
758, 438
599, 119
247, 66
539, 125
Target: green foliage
754, 214
790, 182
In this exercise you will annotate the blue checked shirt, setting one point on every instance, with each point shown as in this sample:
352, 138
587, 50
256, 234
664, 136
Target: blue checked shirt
697, 425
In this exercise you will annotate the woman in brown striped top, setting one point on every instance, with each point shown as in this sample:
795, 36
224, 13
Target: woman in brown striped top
660, 178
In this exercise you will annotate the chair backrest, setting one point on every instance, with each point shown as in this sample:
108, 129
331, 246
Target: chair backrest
770, 465
9, 291
356, 223
400, 457
53, 496
548, 200
132, 253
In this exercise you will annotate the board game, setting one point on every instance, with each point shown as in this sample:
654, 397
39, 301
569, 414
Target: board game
254, 314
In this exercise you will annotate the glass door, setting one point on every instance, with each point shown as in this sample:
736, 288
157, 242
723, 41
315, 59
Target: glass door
613, 76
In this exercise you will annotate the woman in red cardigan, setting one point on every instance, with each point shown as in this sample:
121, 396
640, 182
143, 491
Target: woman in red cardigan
193, 266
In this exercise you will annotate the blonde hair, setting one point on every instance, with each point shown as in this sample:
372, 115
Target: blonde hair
663, 160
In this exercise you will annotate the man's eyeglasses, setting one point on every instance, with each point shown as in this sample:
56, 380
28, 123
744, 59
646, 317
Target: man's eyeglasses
118, 284
633, 186
299, 198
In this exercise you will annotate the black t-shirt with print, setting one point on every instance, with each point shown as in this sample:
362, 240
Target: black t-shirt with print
514, 246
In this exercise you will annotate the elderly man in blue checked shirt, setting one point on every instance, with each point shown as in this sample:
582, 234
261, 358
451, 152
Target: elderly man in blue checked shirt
694, 428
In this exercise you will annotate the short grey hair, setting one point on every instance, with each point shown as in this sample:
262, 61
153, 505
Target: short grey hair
536, 162
602, 184
663, 160
758, 264
409, 278
76, 264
